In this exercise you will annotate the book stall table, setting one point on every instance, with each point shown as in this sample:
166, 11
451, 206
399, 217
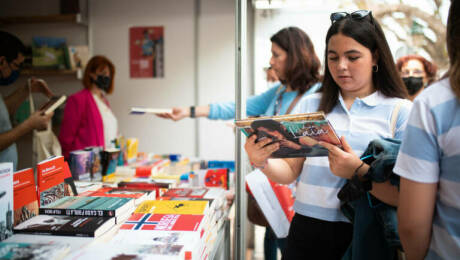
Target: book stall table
155, 210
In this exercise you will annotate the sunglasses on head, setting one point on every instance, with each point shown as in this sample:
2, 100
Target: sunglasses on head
357, 15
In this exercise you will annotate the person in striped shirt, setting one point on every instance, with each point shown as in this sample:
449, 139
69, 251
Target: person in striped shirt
429, 161
361, 89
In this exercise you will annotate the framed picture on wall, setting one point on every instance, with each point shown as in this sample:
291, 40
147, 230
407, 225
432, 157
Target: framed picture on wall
146, 50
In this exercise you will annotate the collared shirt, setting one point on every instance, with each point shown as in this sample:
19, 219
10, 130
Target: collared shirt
9, 154
430, 153
369, 118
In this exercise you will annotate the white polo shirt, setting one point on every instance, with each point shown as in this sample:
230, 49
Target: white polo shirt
369, 118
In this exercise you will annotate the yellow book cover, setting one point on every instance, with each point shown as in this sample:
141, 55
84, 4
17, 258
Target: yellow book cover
131, 148
180, 207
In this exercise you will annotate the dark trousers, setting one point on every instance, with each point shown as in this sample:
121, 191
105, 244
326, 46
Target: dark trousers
272, 243
311, 238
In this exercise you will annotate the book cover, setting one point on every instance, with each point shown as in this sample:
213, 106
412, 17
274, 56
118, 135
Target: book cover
186, 192
145, 110
68, 181
173, 207
49, 52
137, 194
275, 200
80, 163
25, 195
6, 200
131, 149
214, 177
50, 178
163, 222
109, 162
96, 167
115, 251
37, 251
66, 225
297, 134
88, 206
78, 56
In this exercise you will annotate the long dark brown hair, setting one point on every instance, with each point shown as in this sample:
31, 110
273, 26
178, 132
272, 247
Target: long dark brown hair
368, 33
453, 46
302, 66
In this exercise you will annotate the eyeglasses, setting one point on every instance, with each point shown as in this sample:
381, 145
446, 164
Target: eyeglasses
357, 15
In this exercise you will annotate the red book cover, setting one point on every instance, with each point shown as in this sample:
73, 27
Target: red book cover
144, 171
285, 198
186, 192
50, 178
216, 178
165, 222
25, 195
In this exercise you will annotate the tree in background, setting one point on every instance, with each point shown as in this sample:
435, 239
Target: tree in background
420, 30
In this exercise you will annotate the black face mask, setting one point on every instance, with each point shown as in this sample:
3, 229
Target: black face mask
413, 84
102, 82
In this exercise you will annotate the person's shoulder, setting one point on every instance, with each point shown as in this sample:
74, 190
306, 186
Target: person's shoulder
309, 103
437, 93
79, 96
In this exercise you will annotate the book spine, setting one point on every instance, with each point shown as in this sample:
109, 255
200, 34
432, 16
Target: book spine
56, 233
77, 212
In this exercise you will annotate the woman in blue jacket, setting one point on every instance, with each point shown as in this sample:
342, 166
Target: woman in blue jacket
295, 63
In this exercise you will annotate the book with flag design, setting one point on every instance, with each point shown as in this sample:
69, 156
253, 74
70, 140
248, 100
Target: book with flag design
165, 222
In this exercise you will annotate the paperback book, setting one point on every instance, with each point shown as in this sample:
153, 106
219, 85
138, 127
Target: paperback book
297, 134
36, 251
173, 207
163, 222
80, 163
66, 225
138, 195
6, 200
25, 195
50, 178
88, 206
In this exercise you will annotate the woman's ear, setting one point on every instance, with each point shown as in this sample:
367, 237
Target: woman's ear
375, 58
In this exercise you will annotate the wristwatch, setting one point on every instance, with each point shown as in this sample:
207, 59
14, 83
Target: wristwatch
192, 112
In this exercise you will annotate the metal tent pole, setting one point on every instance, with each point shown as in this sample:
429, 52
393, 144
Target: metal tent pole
240, 112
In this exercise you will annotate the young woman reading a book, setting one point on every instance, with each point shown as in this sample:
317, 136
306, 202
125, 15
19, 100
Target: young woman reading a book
428, 210
297, 66
88, 119
361, 89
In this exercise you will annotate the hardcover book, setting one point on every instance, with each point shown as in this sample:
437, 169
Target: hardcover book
298, 134
88, 206
6, 200
173, 207
37, 251
50, 178
25, 195
66, 225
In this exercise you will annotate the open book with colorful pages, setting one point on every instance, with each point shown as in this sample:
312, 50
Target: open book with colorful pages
297, 134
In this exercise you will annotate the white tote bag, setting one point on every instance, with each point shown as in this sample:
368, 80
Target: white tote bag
45, 143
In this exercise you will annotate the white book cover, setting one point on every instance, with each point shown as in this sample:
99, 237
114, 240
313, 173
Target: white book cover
275, 200
130, 251
6, 200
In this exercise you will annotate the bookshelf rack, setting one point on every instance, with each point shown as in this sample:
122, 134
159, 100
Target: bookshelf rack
54, 18
51, 72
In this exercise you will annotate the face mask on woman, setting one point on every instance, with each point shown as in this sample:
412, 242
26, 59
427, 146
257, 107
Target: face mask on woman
413, 84
102, 82
10, 79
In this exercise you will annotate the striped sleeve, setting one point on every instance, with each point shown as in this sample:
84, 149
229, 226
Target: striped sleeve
418, 158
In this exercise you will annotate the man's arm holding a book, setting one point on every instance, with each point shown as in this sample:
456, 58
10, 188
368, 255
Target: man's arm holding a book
283, 171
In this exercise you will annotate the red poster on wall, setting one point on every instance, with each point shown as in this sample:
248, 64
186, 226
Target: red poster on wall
146, 49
